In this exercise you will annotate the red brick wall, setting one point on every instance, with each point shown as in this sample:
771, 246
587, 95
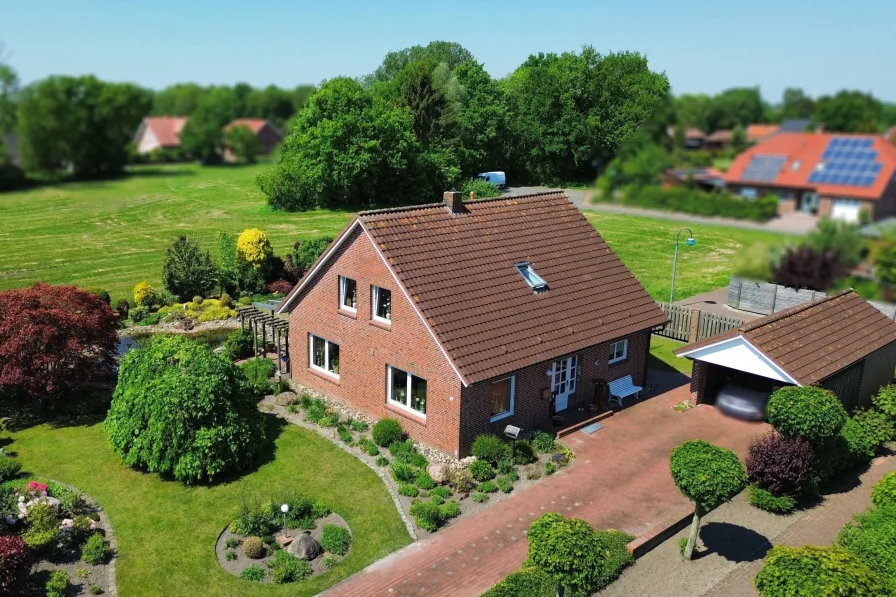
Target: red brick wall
366, 348
529, 408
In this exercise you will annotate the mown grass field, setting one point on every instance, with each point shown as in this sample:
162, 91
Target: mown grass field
166, 532
113, 234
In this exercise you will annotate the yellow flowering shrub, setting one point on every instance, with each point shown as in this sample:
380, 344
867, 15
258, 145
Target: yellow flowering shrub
253, 245
209, 310
144, 295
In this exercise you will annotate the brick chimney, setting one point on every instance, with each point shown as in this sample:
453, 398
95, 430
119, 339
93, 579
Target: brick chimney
454, 201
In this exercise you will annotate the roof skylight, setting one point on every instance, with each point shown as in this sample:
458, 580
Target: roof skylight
531, 277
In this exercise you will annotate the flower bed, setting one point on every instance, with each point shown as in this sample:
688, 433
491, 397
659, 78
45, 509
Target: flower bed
432, 495
255, 547
65, 539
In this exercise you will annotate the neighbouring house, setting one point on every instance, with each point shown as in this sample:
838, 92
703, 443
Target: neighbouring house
462, 317
708, 179
719, 140
839, 342
269, 136
757, 133
890, 135
799, 125
833, 175
159, 132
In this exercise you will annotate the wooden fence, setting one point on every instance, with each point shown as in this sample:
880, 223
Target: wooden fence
690, 325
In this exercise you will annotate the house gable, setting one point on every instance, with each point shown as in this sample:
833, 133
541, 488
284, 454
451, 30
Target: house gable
738, 354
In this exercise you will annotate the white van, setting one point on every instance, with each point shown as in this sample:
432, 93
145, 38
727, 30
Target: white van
496, 178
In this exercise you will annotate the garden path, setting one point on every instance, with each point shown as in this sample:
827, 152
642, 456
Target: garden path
619, 479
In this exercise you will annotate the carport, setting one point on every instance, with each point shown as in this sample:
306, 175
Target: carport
839, 342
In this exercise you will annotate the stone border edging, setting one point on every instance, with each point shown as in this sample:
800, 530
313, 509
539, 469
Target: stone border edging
296, 419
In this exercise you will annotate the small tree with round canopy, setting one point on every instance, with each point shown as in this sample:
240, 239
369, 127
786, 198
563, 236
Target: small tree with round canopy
567, 550
708, 476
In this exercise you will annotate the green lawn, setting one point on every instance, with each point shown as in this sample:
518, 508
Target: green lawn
647, 246
662, 358
166, 532
113, 234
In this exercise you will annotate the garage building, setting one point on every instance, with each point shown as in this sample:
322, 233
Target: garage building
839, 342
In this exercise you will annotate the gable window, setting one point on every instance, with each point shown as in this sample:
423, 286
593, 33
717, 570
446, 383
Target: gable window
531, 277
348, 294
381, 304
618, 351
323, 355
406, 390
503, 397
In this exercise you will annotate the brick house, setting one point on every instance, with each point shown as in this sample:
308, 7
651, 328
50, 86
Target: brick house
159, 132
835, 175
459, 318
268, 135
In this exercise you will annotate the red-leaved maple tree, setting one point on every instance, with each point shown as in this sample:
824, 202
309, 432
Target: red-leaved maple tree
53, 338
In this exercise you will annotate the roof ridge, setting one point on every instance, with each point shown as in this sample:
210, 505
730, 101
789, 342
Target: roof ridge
764, 321
386, 210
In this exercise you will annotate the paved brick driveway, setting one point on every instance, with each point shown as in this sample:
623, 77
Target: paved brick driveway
620, 479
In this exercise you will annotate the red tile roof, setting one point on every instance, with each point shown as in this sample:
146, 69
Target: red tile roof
694, 134
814, 340
166, 129
803, 152
722, 136
458, 269
758, 132
254, 124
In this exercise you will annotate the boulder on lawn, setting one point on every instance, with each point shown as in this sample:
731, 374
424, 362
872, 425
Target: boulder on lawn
439, 471
305, 547
285, 398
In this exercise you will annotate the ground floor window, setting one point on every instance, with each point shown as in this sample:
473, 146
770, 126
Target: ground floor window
324, 355
503, 397
618, 351
406, 390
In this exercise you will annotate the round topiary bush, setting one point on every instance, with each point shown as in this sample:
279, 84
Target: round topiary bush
144, 295
811, 413
872, 537
531, 582
253, 547
884, 493
386, 432
490, 448
780, 465
181, 410
885, 401
15, 563
810, 571
768, 501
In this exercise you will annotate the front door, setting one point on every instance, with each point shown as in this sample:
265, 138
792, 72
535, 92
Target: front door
563, 381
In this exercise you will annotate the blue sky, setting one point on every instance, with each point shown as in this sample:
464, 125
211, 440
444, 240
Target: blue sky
703, 46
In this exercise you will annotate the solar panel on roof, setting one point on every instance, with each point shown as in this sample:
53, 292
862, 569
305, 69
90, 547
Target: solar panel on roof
764, 168
848, 161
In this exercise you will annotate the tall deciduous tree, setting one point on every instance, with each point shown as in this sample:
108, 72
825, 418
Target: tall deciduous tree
180, 99
849, 112
80, 123
188, 271
9, 90
738, 106
204, 131
480, 120
451, 53
53, 338
796, 104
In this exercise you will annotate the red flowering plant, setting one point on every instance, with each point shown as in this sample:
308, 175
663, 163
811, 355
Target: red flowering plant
14, 563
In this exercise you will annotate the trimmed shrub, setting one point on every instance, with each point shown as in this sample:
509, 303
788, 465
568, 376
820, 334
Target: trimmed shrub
449, 509
490, 448
523, 453
488, 487
877, 425
15, 563
884, 493
403, 472
694, 201
253, 245
811, 413
406, 489
240, 344
336, 539
811, 571
144, 295
770, 502
424, 481
58, 584
885, 401
543, 442
781, 465
481, 470
181, 410
860, 442
253, 573
872, 537
531, 582
95, 550
385, 432
9, 467
253, 547
427, 515
616, 557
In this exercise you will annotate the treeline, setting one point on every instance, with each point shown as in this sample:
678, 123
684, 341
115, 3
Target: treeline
431, 117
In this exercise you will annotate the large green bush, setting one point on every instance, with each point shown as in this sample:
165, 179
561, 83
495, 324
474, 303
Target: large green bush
872, 537
258, 373
386, 432
812, 571
885, 401
239, 344
490, 448
695, 201
530, 582
180, 410
884, 493
879, 427
812, 413
860, 441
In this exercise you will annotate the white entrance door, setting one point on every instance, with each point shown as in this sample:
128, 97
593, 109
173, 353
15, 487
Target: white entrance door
563, 381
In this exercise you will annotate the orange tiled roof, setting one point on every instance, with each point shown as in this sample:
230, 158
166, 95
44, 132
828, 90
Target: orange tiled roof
166, 129
254, 124
803, 153
758, 132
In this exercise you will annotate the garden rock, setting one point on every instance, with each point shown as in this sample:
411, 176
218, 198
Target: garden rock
285, 398
439, 471
305, 547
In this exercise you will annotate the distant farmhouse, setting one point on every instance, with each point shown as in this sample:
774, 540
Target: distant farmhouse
268, 135
163, 132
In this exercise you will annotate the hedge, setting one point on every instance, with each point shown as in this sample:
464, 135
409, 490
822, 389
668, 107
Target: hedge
694, 201
812, 571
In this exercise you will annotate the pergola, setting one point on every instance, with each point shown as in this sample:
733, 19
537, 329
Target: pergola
260, 319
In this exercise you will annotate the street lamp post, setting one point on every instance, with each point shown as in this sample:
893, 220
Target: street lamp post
689, 241
284, 508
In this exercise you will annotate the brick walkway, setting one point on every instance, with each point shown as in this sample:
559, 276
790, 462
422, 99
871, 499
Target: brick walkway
819, 526
620, 479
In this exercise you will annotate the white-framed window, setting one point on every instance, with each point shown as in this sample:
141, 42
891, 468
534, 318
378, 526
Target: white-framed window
503, 392
618, 351
406, 390
323, 355
348, 294
381, 304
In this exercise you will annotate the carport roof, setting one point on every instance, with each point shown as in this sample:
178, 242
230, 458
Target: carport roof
814, 340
